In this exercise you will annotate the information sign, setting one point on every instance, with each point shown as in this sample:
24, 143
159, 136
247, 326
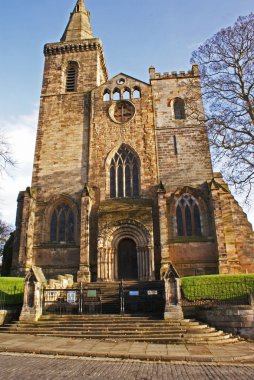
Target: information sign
71, 296
134, 293
152, 292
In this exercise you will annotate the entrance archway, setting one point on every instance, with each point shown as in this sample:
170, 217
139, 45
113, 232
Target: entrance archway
127, 260
114, 241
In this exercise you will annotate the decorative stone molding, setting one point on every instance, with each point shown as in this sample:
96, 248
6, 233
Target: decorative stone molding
108, 241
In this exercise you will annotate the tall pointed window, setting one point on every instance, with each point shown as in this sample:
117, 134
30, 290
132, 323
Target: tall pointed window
62, 225
71, 77
188, 217
179, 109
124, 174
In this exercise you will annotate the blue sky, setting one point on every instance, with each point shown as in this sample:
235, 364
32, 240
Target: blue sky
135, 35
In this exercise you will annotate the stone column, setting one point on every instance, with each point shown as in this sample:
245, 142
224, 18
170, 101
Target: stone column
32, 305
30, 230
173, 304
84, 274
99, 260
162, 205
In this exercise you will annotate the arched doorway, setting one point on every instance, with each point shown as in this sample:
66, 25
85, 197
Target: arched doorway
127, 260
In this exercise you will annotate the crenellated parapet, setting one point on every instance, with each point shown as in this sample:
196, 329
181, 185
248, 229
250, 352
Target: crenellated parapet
194, 72
93, 44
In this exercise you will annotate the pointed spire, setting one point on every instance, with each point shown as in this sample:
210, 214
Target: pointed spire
79, 27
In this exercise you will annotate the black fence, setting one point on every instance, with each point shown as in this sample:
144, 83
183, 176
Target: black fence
11, 297
123, 299
224, 293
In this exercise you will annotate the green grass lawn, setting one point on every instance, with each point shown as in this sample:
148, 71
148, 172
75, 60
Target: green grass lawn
11, 290
217, 287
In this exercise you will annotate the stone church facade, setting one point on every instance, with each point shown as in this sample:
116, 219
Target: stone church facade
122, 180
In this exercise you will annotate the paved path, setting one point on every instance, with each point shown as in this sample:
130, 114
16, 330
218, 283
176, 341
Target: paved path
46, 368
242, 352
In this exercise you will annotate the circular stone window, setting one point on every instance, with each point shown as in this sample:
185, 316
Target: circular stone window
121, 112
120, 81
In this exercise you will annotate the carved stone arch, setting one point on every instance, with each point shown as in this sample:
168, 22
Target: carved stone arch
108, 161
106, 95
136, 92
54, 202
125, 91
108, 243
116, 94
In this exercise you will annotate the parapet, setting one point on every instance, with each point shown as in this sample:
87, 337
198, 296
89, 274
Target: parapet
194, 72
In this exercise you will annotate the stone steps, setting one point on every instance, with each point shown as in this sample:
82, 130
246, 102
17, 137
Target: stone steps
122, 328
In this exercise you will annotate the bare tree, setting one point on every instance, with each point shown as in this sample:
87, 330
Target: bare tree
5, 154
226, 64
5, 230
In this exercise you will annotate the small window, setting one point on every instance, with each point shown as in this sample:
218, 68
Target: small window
126, 94
71, 77
106, 96
179, 109
188, 217
116, 94
136, 93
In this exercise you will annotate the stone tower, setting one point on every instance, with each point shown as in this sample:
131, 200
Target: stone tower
122, 181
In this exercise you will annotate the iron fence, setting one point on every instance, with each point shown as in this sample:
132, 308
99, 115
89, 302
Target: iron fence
10, 297
71, 301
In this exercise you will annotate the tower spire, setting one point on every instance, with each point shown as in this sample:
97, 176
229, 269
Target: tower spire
79, 27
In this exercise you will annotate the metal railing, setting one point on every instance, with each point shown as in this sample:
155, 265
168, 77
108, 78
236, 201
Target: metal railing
10, 297
71, 301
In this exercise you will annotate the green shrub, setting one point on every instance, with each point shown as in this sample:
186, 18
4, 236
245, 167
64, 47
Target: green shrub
218, 287
11, 290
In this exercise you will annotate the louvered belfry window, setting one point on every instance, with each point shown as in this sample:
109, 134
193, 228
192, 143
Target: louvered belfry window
71, 77
124, 174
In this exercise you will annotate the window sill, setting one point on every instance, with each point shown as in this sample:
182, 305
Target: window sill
193, 239
58, 245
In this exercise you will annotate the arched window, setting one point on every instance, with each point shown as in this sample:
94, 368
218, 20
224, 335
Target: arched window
106, 96
188, 217
126, 94
62, 225
116, 94
179, 109
124, 174
136, 93
71, 77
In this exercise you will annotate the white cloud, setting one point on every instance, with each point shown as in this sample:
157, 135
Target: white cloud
20, 133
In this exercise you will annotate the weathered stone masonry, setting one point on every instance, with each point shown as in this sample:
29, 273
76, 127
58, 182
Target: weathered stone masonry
118, 164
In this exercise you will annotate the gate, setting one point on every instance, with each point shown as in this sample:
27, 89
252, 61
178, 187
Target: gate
140, 298
72, 301
122, 298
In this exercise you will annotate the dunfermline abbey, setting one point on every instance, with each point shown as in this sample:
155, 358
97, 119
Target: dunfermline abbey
122, 181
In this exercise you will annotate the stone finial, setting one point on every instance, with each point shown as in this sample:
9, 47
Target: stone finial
79, 27
161, 188
152, 72
195, 70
